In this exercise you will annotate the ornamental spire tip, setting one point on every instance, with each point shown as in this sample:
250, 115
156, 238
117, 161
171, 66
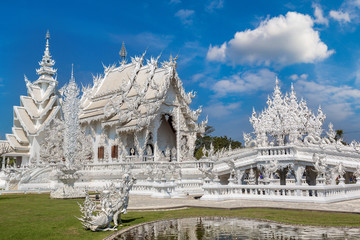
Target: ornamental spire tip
72, 72
123, 52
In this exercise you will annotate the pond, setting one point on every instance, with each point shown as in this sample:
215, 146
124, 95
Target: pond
232, 228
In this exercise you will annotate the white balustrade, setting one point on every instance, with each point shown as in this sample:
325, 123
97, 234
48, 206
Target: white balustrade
294, 193
143, 164
275, 151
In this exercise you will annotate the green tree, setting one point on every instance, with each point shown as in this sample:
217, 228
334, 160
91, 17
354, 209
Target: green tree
218, 142
340, 135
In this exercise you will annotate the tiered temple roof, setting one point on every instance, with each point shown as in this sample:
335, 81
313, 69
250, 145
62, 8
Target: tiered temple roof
129, 96
38, 108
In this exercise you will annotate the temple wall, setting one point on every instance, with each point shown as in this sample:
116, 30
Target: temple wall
98, 130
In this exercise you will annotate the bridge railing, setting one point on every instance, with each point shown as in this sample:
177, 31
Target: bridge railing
293, 193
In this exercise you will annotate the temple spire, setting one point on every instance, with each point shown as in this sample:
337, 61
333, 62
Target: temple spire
123, 52
277, 92
72, 73
292, 93
47, 50
46, 70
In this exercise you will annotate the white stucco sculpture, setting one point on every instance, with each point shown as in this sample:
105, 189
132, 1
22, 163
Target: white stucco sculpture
113, 202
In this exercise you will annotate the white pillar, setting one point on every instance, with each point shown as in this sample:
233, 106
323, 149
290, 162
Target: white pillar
3, 163
178, 135
155, 138
299, 172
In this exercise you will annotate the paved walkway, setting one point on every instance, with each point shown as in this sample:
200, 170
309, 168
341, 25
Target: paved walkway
138, 203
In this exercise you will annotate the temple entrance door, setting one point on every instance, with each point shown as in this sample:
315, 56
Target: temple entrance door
18, 161
282, 174
166, 135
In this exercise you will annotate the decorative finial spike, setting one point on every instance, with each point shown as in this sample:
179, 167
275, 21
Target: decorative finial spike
276, 81
46, 64
72, 73
123, 52
292, 87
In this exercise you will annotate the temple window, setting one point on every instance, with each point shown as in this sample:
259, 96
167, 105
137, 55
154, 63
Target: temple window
100, 152
132, 152
114, 151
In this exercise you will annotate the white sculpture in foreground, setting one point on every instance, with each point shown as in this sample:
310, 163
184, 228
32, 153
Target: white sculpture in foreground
113, 201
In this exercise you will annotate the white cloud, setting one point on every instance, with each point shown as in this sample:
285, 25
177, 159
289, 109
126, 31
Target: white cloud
338, 102
217, 53
197, 77
215, 4
185, 15
296, 77
248, 82
319, 16
281, 40
340, 16
304, 76
220, 110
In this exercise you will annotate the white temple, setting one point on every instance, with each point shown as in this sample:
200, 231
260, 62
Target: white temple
37, 110
288, 156
140, 111
135, 118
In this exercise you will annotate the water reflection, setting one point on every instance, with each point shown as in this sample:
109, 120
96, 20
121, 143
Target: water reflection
233, 228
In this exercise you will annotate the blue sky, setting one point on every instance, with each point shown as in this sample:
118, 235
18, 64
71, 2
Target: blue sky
229, 51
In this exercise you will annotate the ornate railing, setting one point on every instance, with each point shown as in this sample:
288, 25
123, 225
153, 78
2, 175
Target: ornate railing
142, 165
323, 194
276, 151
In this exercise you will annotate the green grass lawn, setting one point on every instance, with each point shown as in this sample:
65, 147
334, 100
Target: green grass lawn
39, 217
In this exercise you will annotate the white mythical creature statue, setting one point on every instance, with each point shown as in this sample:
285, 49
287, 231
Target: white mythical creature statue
268, 169
113, 202
357, 174
249, 141
340, 171
13, 176
207, 171
320, 166
231, 164
251, 180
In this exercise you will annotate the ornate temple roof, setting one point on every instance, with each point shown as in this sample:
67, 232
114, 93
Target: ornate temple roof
286, 120
37, 109
129, 96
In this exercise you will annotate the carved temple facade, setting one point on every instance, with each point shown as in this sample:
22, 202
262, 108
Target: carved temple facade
140, 112
136, 117
287, 156
137, 111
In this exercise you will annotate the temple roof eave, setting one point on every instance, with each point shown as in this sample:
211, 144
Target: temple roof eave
20, 135
15, 144
27, 123
31, 108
